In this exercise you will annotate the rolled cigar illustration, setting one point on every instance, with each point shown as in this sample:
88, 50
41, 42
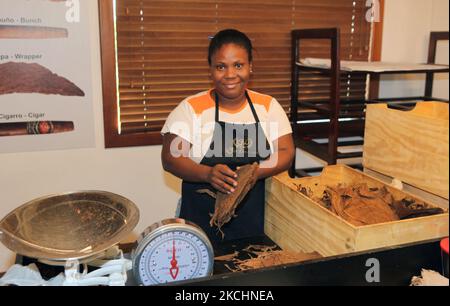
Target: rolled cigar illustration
32, 32
35, 128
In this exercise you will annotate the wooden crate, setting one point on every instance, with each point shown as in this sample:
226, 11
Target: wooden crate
297, 223
411, 146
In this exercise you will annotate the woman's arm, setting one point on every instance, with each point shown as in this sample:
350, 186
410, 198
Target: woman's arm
280, 160
175, 159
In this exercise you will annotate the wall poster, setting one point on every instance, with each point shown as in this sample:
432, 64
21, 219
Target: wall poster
45, 76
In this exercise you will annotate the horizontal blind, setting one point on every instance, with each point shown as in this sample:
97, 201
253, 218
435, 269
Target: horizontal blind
162, 50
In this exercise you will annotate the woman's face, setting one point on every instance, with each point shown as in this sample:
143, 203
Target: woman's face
230, 71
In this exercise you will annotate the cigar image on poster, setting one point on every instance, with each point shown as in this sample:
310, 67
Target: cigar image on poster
33, 78
31, 32
46, 93
35, 128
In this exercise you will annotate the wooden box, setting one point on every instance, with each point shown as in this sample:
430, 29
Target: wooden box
411, 146
297, 223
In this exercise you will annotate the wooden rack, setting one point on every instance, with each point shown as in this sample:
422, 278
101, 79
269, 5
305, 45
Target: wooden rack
342, 117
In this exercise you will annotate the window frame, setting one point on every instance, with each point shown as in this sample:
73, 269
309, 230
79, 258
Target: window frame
109, 86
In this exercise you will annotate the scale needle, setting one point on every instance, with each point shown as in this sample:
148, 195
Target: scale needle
174, 269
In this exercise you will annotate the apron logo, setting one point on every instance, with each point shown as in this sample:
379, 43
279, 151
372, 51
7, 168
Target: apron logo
230, 141
240, 146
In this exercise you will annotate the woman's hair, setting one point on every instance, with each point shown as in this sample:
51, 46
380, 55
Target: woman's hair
229, 36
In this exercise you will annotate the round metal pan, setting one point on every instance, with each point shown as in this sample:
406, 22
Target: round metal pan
77, 225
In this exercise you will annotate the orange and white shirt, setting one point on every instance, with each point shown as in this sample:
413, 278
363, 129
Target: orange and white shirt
194, 120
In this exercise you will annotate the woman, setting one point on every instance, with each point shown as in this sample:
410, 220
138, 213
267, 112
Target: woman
208, 135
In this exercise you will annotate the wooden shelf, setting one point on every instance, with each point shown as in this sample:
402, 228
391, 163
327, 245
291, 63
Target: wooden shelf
430, 69
337, 116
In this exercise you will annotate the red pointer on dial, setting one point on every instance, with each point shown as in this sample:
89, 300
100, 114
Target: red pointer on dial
174, 269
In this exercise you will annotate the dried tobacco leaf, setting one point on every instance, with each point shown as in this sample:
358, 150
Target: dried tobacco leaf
267, 256
226, 204
361, 205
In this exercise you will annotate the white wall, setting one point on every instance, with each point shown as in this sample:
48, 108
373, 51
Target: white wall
439, 22
406, 32
135, 172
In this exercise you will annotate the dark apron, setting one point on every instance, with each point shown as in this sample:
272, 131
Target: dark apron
233, 145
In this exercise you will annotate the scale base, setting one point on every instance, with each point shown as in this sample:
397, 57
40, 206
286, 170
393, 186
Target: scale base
110, 270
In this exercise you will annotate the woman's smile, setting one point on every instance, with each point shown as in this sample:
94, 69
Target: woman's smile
231, 86
230, 72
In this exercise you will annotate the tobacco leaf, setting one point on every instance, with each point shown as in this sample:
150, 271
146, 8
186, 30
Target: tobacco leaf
267, 256
406, 209
34, 78
274, 258
361, 205
227, 257
226, 204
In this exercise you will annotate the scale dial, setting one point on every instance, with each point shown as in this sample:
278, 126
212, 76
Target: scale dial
172, 250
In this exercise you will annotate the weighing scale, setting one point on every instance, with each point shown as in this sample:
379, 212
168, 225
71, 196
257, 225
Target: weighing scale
172, 250
70, 230
80, 229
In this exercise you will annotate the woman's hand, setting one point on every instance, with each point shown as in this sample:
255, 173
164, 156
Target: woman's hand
221, 177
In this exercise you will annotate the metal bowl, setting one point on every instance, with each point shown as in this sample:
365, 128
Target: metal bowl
76, 225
